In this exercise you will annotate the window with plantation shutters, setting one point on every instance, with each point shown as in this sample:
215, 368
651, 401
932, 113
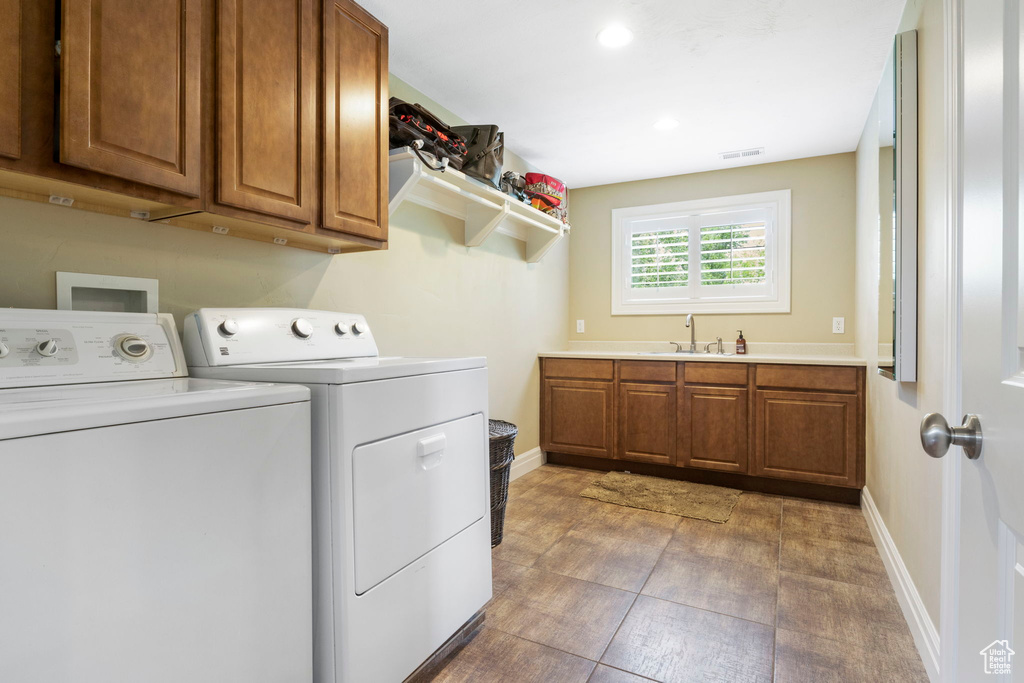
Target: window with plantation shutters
722, 255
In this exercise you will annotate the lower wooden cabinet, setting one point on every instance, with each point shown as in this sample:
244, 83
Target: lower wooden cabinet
807, 436
577, 417
793, 422
646, 423
713, 428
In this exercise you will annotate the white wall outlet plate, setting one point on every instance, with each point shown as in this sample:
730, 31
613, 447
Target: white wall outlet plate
579, 327
838, 325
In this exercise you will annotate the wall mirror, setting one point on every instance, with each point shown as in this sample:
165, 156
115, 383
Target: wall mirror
897, 212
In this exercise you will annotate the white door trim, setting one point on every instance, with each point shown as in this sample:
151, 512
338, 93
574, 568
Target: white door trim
951, 471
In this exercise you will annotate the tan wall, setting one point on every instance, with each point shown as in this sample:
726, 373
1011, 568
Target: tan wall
905, 484
823, 245
426, 295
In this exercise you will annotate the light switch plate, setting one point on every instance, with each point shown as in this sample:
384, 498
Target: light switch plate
579, 327
838, 325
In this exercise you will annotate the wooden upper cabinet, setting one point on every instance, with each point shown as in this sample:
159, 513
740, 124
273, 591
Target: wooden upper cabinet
713, 428
355, 121
130, 90
578, 417
10, 78
647, 423
266, 106
808, 436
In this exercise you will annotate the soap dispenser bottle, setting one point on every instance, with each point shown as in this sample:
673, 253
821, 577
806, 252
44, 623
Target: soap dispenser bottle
741, 344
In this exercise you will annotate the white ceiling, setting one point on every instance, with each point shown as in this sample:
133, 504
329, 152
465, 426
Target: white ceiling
796, 77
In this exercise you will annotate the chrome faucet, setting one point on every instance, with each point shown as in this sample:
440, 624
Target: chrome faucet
693, 332
721, 349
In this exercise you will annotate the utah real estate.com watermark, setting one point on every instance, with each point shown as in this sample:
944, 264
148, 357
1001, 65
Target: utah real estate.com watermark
998, 657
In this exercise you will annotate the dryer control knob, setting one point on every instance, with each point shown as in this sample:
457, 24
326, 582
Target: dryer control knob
228, 328
342, 329
359, 328
4, 350
47, 348
302, 328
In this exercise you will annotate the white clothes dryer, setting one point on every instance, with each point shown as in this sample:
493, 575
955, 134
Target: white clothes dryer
400, 481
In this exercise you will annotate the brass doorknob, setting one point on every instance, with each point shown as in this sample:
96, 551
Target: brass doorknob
937, 436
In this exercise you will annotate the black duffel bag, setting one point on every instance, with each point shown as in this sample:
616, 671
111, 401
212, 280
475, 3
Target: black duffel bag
411, 125
486, 153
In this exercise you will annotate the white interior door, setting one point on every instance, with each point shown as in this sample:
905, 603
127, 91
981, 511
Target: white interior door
988, 579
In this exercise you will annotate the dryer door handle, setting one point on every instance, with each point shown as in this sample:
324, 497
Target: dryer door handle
430, 450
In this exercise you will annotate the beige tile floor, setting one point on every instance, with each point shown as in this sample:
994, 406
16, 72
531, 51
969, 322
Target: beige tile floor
787, 590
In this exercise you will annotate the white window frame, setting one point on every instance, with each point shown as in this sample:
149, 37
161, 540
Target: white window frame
772, 297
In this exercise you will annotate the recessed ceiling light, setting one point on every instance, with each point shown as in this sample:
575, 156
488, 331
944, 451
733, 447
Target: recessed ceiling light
666, 124
615, 35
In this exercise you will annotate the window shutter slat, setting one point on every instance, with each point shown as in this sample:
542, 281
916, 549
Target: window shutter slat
659, 259
733, 254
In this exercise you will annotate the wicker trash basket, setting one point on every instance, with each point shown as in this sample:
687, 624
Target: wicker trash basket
503, 436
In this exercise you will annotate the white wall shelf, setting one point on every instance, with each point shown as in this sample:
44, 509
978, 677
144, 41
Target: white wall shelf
484, 209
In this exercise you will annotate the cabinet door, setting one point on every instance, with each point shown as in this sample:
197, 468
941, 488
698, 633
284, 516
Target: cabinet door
807, 436
355, 125
266, 100
129, 99
713, 428
647, 423
577, 417
10, 78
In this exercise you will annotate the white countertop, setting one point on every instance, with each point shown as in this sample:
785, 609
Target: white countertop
709, 357
789, 354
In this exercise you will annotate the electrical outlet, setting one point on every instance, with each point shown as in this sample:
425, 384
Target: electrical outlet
579, 327
838, 325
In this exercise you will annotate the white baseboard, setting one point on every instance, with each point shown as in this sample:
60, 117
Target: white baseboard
926, 636
524, 462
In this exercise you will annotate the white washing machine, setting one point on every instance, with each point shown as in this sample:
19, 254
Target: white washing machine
152, 527
402, 549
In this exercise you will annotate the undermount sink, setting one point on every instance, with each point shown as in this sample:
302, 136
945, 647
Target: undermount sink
667, 353
681, 353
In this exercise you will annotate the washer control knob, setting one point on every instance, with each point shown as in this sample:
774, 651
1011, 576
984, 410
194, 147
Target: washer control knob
342, 329
302, 328
359, 328
228, 328
132, 347
4, 350
47, 348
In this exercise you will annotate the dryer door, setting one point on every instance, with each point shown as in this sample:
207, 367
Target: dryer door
413, 492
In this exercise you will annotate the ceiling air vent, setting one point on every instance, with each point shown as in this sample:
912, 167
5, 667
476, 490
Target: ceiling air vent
742, 153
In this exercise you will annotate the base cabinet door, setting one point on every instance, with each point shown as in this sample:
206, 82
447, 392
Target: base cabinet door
355, 121
130, 90
577, 418
713, 428
807, 436
266, 106
647, 425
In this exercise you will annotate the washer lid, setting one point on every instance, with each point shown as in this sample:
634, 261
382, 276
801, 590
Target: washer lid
46, 410
342, 370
